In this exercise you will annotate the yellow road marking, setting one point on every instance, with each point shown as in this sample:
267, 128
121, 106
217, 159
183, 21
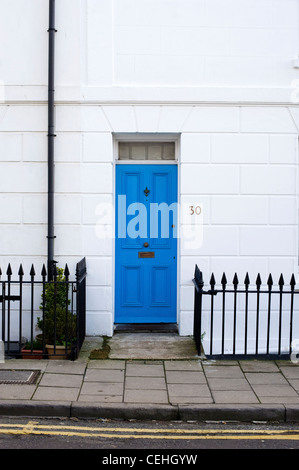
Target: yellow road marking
33, 427
31, 424
149, 436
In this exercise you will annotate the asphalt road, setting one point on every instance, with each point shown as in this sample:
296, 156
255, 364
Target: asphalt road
150, 443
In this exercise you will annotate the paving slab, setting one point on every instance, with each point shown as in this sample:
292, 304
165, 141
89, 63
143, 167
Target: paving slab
145, 396
269, 378
235, 396
106, 364
274, 391
104, 375
191, 390
61, 380
183, 377
280, 400
66, 367
228, 384
100, 398
258, 366
294, 383
185, 400
145, 383
144, 370
101, 388
223, 371
290, 372
23, 364
16, 392
56, 394
191, 365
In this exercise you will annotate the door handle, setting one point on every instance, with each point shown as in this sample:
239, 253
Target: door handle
145, 245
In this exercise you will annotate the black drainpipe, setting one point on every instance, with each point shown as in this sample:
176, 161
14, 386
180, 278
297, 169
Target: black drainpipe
51, 137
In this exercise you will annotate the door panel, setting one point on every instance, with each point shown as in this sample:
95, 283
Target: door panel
146, 244
160, 276
132, 276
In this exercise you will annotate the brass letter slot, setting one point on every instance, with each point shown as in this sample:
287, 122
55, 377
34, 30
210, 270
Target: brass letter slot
146, 254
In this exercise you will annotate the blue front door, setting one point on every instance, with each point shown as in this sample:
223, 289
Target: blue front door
146, 244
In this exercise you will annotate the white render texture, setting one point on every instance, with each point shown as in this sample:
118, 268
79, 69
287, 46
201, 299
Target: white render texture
216, 74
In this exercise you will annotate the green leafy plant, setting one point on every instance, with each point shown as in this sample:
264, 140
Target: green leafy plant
36, 345
57, 323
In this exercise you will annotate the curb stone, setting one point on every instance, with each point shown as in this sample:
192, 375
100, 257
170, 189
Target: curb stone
35, 409
125, 411
231, 412
292, 413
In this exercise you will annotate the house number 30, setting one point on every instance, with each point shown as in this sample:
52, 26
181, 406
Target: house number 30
195, 210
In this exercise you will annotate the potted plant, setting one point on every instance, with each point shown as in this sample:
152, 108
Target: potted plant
57, 323
32, 350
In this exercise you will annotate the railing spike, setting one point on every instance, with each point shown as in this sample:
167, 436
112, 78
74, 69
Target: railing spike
44, 271
212, 281
235, 280
21, 271
198, 276
246, 280
293, 281
9, 270
223, 280
32, 271
281, 281
258, 280
66, 271
270, 280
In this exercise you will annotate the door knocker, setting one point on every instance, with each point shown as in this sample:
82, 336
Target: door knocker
146, 191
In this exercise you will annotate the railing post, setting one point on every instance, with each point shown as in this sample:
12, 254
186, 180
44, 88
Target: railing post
68, 331
9, 274
81, 302
43, 306
21, 274
3, 309
32, 275
292, 284
198, 290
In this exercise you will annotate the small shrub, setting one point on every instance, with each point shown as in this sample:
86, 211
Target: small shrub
57, 323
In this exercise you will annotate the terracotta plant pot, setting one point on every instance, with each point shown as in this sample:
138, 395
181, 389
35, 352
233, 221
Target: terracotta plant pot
60, 352
34, 354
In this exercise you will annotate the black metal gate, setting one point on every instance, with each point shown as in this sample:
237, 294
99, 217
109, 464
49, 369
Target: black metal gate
244, 321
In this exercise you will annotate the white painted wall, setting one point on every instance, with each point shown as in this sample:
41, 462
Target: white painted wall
218, 73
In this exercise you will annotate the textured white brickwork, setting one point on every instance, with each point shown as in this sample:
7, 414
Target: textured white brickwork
217, 75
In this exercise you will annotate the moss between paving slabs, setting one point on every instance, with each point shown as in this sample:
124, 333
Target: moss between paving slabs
103, 352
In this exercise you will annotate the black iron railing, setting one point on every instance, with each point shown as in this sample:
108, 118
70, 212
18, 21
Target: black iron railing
81, 302
245, 321
39, 315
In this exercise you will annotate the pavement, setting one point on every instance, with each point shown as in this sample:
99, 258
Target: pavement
162, 379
